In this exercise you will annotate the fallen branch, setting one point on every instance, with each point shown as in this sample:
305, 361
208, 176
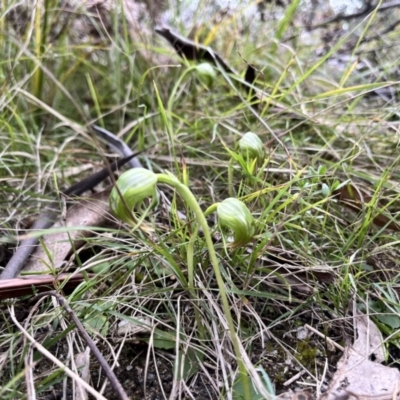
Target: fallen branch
54, 359
103, 363
342, 17
189, 50
49, 216
29, 285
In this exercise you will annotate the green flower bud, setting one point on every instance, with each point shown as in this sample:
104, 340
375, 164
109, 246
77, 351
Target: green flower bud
135, 185
206, 74
252, 147
234, 214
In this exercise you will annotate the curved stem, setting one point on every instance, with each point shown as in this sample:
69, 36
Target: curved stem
187, 195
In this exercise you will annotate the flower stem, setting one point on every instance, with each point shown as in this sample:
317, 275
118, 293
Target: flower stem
188, 196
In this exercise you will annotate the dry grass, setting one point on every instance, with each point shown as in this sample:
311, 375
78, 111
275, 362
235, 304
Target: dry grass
333, 103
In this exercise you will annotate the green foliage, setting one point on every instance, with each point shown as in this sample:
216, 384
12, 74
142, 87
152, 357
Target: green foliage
326, 124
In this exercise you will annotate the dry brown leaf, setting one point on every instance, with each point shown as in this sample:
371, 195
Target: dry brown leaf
357, 377
356, 199
91, 211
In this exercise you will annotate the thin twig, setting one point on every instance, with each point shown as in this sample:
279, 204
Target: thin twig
332, 342
342, 17
55, 360
103, 363
367, 9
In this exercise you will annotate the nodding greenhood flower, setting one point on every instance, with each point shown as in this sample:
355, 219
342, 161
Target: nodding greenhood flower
234, 214
251, 146
134, 186
206, 74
